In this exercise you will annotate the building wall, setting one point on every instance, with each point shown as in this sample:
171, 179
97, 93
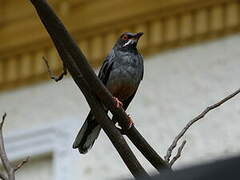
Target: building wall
166, 24
37, 169
177, 86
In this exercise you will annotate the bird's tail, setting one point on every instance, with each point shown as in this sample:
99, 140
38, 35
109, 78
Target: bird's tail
87, 134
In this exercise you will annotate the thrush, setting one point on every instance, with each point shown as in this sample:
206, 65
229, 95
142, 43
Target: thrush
121, 73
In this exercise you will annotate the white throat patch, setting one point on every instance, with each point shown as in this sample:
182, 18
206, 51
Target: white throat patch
127, 43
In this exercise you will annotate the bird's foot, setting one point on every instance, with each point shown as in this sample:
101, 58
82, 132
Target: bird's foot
119, 104
130, 124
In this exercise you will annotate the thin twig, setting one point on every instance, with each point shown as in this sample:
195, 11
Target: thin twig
18, 166
5, 162
190, 123
10, 170
3, 119
2, 174
55, 78
178, 155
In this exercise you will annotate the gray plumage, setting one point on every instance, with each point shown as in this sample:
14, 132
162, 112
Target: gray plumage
121, 73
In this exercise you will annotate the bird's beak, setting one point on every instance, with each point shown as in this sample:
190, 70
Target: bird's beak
134, 39
138, 35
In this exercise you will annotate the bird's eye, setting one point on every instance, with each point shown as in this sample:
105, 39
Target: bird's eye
125, 37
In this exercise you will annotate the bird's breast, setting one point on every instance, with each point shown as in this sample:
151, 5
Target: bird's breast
122, 88
124, 78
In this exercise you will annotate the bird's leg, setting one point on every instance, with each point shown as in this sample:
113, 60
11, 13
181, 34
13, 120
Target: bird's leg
130, 124
118, 102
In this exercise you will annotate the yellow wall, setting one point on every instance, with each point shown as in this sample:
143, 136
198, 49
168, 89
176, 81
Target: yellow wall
96, 24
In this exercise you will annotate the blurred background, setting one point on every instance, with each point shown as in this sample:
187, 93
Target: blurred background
191, 52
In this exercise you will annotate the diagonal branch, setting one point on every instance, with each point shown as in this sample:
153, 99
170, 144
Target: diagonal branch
98, 110
178, 155
18, 166
60, 36
107, 125
190, 123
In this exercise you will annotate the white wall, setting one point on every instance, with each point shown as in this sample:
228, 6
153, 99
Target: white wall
36, 169
177, 86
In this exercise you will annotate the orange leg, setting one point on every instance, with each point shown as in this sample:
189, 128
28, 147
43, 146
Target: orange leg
118, 102
130, 122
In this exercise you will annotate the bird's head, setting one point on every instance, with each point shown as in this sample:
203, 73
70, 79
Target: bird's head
128, 40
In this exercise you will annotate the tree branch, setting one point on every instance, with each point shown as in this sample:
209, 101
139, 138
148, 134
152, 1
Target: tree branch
59, 35
5, 162
107, 125
98, 110
55, 78
18, 166
9, 169
142, 145
190, 123
178, 155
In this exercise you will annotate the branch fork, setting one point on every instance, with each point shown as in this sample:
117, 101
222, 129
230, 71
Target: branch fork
9, 169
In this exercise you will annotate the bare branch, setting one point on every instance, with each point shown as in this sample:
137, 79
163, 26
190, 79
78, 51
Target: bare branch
55, 78
190, 123
18, 166
3, 119
6, 164
85, 78
10, 170
51, 21
178, 155
3, 176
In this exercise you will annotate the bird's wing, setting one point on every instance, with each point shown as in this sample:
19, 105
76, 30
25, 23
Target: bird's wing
106, 67
128, 100
141, 68
140, 56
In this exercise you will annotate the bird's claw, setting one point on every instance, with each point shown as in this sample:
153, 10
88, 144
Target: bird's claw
130, 124
119, 104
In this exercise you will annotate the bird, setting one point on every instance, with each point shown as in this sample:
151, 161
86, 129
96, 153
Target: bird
121, 73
